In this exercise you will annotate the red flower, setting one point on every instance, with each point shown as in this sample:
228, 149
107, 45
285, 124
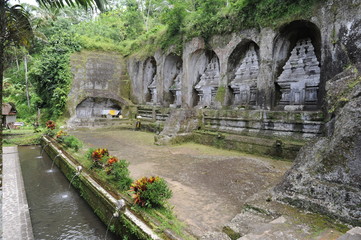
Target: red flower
99, 153
50, 124
112, 160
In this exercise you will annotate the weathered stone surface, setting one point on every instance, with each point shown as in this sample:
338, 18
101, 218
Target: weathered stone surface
353, 234
96, 107
215, 236
300, 78
208, 84
99, 83
180, 121
16, 222
153, 91
244, 84
326, 176
172, 91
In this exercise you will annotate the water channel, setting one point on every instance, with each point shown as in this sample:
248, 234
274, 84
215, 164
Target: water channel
56, 210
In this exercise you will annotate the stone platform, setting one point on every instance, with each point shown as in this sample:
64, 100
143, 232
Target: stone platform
16, 217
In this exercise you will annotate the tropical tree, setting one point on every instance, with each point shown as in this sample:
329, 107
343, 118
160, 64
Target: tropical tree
15, 29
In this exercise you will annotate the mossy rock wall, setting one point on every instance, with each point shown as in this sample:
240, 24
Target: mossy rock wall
259, 146
101, 75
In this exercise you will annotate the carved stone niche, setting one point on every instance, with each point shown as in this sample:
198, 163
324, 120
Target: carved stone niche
244, 85
208, 85
93, 107
299, 81
176, 90
153, 91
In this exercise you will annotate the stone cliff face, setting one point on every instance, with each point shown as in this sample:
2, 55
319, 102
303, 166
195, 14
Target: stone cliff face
326, 176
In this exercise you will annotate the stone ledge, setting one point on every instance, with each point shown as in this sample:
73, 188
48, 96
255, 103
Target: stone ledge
92, 192
16, 217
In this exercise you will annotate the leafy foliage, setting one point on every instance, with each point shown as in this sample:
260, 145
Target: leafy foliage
150, 192
60, 136
120, 175
165, 23
72, 142
14, 90
112, 169
51, 74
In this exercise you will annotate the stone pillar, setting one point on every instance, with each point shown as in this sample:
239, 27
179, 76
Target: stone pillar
194, 62
265, 80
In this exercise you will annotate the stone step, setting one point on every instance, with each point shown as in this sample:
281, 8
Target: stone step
276, 221
353, 234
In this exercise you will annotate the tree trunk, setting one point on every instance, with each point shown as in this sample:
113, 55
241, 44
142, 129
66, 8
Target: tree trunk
26, 80
2, 58
146, 23
17, 60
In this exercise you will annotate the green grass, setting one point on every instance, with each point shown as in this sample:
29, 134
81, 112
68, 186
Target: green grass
23, 136
165, 216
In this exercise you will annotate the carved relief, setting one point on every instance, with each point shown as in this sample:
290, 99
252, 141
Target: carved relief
177, 87
208, 84
244, 85
149, 83
153, 90
299, 81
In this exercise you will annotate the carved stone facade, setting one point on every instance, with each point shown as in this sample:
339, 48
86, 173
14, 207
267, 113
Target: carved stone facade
176, 90
244, 85
208, 85
153, 91
299, 81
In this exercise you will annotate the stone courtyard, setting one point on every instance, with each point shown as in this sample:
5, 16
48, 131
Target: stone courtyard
212, 188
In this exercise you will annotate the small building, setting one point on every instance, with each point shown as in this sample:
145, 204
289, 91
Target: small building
9, 115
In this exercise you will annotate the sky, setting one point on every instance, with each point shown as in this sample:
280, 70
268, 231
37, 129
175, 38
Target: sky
32, 2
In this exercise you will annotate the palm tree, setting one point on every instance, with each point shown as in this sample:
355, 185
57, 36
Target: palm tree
15, 29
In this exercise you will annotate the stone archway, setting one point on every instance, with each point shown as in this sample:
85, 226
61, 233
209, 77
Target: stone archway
96, 107
296, 67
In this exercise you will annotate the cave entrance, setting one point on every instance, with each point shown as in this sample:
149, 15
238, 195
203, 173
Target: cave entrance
93, 107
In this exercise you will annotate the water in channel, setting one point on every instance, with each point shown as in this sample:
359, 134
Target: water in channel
56, 211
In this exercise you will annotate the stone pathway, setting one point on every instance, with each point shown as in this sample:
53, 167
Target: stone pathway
16, 218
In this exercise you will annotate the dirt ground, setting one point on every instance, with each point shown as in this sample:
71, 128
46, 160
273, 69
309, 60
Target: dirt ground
210, 185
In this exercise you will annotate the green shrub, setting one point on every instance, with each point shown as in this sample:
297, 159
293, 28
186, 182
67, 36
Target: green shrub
150, 192
49, 132
72, 142
119, 174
